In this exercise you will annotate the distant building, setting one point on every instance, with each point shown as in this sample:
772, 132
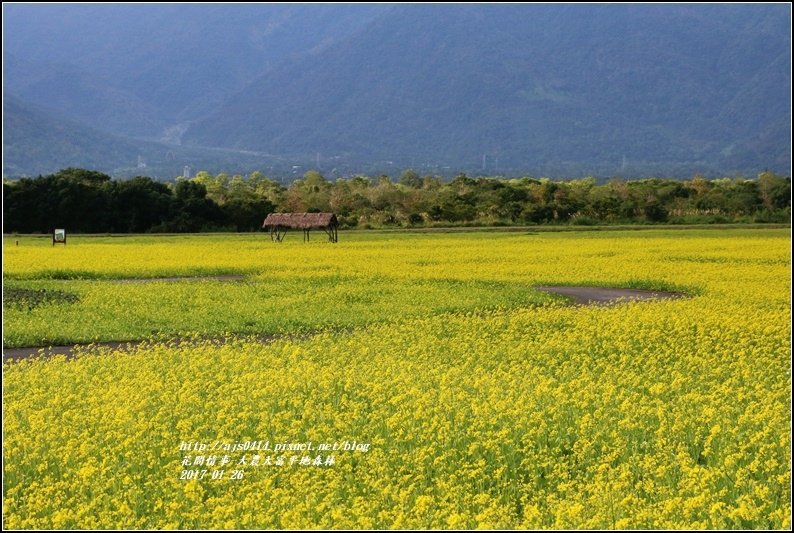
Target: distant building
186, 172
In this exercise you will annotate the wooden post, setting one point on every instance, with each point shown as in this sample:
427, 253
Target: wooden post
330, 230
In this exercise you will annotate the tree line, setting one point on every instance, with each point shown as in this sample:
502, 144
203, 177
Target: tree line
87, 201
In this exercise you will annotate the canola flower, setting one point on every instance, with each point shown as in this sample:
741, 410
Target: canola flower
294, 288
667, 414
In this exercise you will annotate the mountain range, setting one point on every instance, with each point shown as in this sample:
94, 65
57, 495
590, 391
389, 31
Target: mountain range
558, 90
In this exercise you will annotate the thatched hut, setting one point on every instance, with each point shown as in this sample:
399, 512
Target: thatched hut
278, 224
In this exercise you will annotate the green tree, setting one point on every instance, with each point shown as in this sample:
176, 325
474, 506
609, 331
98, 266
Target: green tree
411, 179
775, 191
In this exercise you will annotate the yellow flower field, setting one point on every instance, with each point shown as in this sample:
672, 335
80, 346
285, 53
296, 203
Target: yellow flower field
641, 415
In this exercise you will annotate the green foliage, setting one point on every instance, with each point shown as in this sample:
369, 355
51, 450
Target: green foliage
28, 299
89, 201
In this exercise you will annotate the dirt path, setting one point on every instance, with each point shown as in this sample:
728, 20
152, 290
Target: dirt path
605, 296
15, 354
579, 295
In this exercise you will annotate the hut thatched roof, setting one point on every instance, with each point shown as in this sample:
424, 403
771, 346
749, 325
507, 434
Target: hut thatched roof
300, 220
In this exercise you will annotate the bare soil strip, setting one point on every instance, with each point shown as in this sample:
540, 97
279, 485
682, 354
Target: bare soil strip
579, 295
16, 354
606, 296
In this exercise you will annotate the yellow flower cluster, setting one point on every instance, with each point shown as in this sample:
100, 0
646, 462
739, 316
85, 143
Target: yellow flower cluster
643, 415
270, 289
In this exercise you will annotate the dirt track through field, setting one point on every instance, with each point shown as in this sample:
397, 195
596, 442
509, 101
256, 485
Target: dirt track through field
579, 295
606, 296
16, 354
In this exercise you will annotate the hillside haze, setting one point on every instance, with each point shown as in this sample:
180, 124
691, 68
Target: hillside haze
552, 89
136, 69
539, 86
